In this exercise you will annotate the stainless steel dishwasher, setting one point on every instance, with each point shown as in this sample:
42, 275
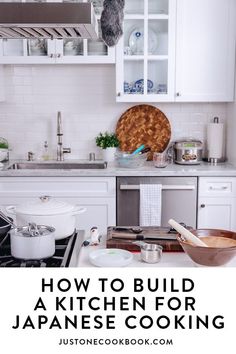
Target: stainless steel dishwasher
179, 199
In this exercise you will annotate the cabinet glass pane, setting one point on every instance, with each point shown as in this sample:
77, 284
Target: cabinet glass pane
134, 7
133, 37
97, 48
73, 47
158, 7
12, 47
158, 76
98, 6
158, 37
37, 47
133, 77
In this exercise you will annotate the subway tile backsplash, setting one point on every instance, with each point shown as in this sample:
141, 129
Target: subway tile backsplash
85, 94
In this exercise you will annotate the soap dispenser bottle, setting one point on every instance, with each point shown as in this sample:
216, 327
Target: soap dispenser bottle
45, 155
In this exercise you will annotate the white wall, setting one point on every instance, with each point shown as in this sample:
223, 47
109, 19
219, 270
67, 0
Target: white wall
2, 94
231, 133
86, 96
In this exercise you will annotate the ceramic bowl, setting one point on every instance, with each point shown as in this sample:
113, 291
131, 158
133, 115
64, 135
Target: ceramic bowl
211, 256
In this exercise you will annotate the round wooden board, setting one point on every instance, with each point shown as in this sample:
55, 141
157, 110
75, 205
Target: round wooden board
143, 124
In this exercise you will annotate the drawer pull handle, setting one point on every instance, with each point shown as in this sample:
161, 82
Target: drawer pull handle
183, 187
202, 205
218, 189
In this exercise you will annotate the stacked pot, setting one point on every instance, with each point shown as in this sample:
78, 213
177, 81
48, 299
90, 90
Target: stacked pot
52, 220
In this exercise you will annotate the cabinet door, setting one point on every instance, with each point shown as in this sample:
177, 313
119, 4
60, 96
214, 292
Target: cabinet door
27, 51
205, 54
217, 213
2, 89
145, 55
83, 51
100, 212
96, 194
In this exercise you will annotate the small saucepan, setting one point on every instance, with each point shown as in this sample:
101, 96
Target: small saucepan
32, 242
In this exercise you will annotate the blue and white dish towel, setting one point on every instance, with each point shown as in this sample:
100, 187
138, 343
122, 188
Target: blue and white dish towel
150, 204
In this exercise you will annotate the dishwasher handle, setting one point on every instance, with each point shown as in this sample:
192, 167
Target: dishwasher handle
179, 187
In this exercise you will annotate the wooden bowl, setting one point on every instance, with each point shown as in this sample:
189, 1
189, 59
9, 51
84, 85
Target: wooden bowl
221, 247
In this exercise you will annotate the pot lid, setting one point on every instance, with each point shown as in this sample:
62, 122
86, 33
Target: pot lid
188, 143
45, 205
32, 230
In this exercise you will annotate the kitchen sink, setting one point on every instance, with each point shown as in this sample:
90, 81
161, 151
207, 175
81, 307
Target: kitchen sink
57, 165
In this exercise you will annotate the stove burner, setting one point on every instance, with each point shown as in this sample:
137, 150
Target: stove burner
61, 258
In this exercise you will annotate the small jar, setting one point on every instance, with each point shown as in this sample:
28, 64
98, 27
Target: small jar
160, 159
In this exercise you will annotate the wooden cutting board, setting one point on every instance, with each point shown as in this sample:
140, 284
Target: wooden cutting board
113, 240
143, 124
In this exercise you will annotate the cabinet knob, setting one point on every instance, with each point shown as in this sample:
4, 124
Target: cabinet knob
58, 55
178, 94
51, 55
203, 205
118, 94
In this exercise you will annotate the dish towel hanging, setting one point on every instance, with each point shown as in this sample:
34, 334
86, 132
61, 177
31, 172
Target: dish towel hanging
150, 204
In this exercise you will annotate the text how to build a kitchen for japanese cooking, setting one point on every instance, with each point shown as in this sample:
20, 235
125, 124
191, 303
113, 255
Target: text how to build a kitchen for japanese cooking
108, 303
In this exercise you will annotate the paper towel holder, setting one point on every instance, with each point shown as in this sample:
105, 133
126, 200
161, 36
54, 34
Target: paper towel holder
215, 161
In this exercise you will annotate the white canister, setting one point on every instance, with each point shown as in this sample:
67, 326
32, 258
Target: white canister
109, 154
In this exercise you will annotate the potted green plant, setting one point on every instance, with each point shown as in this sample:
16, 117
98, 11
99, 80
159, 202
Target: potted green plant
4, 150
108, 142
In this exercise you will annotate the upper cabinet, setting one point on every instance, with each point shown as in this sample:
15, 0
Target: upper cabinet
205, 50
177, 50
145, 55
67, 51
2, 91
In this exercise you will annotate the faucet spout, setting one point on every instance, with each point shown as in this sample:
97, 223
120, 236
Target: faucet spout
59, 124
60, 150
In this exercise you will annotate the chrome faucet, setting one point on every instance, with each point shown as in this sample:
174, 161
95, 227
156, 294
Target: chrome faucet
60, 149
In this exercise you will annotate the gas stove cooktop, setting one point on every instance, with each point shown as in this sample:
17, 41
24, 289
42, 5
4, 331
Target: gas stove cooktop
66, 254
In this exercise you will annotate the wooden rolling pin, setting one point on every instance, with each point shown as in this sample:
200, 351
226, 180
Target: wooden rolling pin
187, 234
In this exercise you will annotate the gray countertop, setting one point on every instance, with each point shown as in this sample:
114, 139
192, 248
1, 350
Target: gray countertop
204, 169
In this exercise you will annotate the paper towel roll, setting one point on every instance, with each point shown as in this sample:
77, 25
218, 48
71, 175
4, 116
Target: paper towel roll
215, 140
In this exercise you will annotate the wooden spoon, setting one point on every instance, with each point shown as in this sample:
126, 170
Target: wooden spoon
187, 234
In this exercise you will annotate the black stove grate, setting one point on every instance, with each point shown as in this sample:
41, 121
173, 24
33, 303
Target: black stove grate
61, 258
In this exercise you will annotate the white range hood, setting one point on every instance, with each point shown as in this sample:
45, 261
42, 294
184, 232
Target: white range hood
47, 20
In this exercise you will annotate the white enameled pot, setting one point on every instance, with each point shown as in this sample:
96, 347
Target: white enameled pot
47, 211
25, 246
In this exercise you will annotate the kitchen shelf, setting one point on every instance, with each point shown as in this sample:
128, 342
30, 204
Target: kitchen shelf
158, 17
134, 17
157, 57
133, 57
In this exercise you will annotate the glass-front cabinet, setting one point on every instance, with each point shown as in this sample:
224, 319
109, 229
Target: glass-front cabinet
61, 51
145, 55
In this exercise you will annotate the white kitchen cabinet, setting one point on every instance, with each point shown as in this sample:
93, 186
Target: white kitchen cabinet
217, 203
67, 51
2, 87
205, 50
145, 55
97, 194
192, 55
